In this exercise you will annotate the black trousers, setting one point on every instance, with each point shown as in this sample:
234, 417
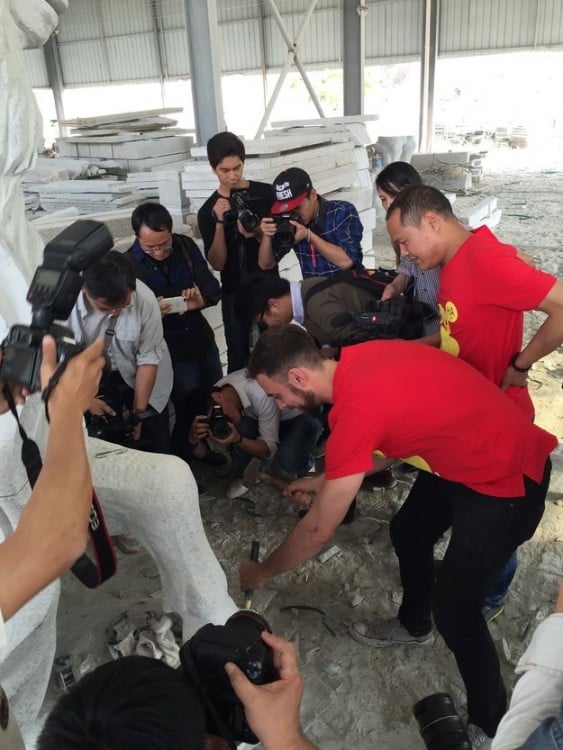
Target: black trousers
485, 531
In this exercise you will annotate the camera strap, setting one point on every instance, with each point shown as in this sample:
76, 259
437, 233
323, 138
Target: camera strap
190, 671
90, 573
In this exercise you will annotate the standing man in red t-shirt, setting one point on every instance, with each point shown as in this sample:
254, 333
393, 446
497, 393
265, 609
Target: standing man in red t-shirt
484, 472
485, 287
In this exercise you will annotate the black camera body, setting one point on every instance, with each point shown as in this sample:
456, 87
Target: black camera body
440, 726
241, 211
284, 237
207, 652
52, 294
219, 425
118, 428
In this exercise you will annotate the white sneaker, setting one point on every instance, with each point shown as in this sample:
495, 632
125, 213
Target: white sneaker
236, 489
387, 633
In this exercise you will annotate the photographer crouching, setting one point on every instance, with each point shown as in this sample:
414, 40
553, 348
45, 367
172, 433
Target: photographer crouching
137, 702
52, 530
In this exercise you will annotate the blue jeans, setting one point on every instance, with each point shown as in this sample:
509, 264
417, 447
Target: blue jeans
548, 736
199, 374
497, 592
485, 533
298, 437
237, 335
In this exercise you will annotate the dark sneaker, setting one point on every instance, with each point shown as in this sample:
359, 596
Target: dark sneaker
387, 633
479, 740
491, 613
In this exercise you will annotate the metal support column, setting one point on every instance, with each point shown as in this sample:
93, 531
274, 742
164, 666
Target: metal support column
55, 76
353, 24
205, 68
428, 74
292, 58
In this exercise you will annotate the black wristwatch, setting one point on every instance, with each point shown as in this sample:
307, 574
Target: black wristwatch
515, 366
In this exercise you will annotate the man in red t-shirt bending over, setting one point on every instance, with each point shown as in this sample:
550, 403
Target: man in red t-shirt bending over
484, 472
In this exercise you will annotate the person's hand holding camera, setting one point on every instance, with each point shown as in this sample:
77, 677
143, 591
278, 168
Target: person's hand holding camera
220, 208
79, 382
272, 710
233, 438
199, 429
99, 408
268, 227
301, 231
52, 530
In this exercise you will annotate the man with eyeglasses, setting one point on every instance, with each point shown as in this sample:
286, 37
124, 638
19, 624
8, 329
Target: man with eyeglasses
327, 235
115, 306
171, 265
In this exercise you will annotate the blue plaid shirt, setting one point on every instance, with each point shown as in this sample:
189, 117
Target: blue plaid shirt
338, 223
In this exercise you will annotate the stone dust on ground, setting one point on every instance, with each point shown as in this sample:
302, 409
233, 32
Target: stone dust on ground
355, 696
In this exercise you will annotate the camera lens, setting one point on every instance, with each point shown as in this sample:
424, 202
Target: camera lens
440, 726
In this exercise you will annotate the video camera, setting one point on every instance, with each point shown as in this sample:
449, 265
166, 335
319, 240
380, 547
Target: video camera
440, 725
241, 211
283, 239
203, 659
52, 294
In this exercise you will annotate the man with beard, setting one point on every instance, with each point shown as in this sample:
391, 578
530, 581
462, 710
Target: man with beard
485, 471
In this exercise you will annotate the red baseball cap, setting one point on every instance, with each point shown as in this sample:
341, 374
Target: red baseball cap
291, 186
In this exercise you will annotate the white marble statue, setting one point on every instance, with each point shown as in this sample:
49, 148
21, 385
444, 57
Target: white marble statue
153, 498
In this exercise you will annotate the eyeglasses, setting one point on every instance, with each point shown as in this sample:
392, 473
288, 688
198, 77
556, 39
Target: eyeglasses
155, 248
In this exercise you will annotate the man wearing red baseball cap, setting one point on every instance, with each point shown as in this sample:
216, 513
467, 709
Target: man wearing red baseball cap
325, 235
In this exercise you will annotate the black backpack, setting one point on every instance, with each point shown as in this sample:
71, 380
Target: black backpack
395, 318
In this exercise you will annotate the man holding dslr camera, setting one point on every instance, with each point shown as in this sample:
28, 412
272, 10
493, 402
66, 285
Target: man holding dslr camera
240, 418
230, 235
325, 235
140, 700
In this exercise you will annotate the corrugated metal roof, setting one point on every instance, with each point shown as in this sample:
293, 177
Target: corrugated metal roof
36, 68
117, 40
393, 30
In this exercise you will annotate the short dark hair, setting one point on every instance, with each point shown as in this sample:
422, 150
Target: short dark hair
111, 278
396, 177
222, 145
152, 215
281, 348
134, 703
413, 202
251, 298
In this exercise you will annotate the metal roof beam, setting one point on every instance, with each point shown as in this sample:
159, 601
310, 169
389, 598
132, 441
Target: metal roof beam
205, 56
353, 24
428, 74
55, 76
292, 58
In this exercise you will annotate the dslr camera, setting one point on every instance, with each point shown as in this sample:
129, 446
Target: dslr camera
118, 428
241, 211
219, 425
283, 239
52, 294
203, 659
440, 725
